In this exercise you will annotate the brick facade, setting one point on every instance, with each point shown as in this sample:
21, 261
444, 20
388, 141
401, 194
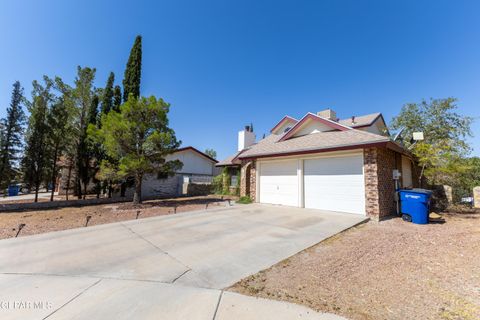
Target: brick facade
379, 164
248, 177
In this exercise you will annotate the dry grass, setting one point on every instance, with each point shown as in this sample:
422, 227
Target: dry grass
386, 270
42, 221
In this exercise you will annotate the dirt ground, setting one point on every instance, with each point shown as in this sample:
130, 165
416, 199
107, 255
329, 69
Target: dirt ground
42, 221
386, 270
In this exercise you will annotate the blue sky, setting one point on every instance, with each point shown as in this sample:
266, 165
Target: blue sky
224, 64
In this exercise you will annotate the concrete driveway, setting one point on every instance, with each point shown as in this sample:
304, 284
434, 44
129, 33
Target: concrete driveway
171, 267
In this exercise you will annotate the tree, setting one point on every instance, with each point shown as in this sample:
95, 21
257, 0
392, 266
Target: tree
89, 151
131, 80
468, 178
59, 122
36, 155
117, 98
444, 131
139, 137
11, 136
83, 94
211, 153
107, 98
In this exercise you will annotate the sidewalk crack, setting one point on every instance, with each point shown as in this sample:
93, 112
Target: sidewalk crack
157, 247
173, 281
75, 297
218, 305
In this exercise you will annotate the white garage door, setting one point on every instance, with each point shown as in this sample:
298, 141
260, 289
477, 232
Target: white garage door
279, 182
335, 184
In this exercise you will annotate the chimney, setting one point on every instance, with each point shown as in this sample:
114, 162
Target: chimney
328, 114
246, 138
353, 119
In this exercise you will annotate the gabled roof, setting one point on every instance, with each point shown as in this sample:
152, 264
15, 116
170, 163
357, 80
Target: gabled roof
362, 121
310, 116
196, 151
274, 145
284, 120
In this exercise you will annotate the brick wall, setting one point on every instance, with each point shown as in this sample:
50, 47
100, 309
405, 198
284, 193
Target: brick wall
248, 179
379, 164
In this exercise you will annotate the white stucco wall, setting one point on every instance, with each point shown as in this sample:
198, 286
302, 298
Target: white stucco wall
193, 163
310, 127
281, 129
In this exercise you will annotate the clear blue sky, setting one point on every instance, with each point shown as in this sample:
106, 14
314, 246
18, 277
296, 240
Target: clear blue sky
223, 64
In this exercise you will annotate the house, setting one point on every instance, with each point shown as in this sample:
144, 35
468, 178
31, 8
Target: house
322, 162
197, 171
194, 178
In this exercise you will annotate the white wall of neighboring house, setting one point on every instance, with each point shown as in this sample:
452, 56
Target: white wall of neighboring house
196, 169
193, 163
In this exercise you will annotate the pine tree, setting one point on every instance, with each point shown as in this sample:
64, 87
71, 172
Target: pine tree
11, 136
117, 98
107, 98
36, 153
131, 81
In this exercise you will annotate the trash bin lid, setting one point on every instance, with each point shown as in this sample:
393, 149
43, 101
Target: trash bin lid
417, 190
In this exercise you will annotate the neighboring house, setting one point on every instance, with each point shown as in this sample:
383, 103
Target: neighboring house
322, 162
198, 168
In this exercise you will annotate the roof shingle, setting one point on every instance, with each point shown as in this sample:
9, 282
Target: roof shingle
311, 142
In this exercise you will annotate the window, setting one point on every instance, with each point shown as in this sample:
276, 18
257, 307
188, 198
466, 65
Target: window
162, 175
234, 181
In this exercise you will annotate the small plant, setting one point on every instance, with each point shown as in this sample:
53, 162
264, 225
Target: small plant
244, 200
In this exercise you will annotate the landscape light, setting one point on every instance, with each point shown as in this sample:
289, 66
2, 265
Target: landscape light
20, 227
88, 219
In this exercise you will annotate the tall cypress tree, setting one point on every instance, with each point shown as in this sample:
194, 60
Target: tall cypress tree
131, 81
11, 136
107, 98
117, 98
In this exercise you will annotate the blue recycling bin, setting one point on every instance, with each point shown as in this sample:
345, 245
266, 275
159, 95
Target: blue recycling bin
415, 205
13, 190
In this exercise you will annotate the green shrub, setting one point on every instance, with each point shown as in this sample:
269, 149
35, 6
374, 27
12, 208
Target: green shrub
244, 200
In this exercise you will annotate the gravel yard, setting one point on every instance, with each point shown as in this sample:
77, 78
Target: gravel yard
386, 270
42, 221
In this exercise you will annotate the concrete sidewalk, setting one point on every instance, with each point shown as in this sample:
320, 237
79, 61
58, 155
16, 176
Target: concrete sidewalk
171, 266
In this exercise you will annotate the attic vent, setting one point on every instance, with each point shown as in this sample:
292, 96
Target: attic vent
287, 129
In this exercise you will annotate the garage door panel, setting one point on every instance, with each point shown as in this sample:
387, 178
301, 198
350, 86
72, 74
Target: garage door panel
279, 183
335, 184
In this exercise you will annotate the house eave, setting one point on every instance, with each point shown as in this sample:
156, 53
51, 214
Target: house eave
378, 144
